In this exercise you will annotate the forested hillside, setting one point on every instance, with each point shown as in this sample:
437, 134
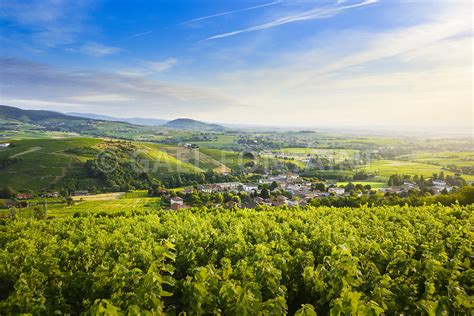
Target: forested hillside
366, 261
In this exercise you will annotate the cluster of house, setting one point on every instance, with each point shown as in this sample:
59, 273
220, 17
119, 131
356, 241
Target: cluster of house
279, 200
29, 196
289, 182
437, 187
177, 202
190, 146
24, 196
299, 188
50, 194
80, 193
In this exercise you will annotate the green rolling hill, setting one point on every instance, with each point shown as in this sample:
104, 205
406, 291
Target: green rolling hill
18, 122
33, 116
189, 124
40, 164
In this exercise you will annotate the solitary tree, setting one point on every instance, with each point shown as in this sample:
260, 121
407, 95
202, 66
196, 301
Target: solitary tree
273, 186
264, 194
319, 186
7, 192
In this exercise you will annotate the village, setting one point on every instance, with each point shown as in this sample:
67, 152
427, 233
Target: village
287, 189
292, 190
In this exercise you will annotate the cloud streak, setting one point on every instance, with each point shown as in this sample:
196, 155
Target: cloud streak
98, 50
317, 13
139, 34
231, 12
160, 66
422, 72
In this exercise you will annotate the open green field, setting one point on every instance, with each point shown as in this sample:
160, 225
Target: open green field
127, 202
443, 158
223, 141
142, 203
374, 185
18, 135
231, 159
335, 154
318, 151
373, 140
385, 168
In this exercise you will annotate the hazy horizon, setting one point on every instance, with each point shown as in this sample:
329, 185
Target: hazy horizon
368, 63
381, 130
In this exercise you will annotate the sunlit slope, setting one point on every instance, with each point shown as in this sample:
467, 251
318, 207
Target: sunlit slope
159, 160
198, 159
40, 163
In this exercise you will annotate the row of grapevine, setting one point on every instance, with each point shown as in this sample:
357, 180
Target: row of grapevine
302, 261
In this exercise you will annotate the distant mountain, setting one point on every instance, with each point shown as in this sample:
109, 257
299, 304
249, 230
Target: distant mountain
94, 116
189, 124
86, 123
32, 116
133, 120
12, 118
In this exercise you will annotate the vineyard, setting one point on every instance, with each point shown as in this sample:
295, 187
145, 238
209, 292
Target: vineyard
303, 261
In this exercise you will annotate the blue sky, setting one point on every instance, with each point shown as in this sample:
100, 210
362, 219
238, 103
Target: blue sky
287, 62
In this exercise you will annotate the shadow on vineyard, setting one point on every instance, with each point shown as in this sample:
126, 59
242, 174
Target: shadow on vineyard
304, 261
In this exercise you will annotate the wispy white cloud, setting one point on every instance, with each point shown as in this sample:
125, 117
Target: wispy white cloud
34, 103
139, 34
416, 74
147, 68
316, 13
98, 50
160, 66
31, 83
232, 12
51, 23
100, 98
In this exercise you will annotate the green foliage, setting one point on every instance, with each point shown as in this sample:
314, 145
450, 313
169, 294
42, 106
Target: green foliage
39, 212
303, 261
320, 186
7, 192
265, 194
83, 151
465, 196
5, 162
79, 265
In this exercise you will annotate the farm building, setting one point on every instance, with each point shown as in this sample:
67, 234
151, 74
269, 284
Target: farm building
336, 191
176, 203
80, 192
24, 196
280, 200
